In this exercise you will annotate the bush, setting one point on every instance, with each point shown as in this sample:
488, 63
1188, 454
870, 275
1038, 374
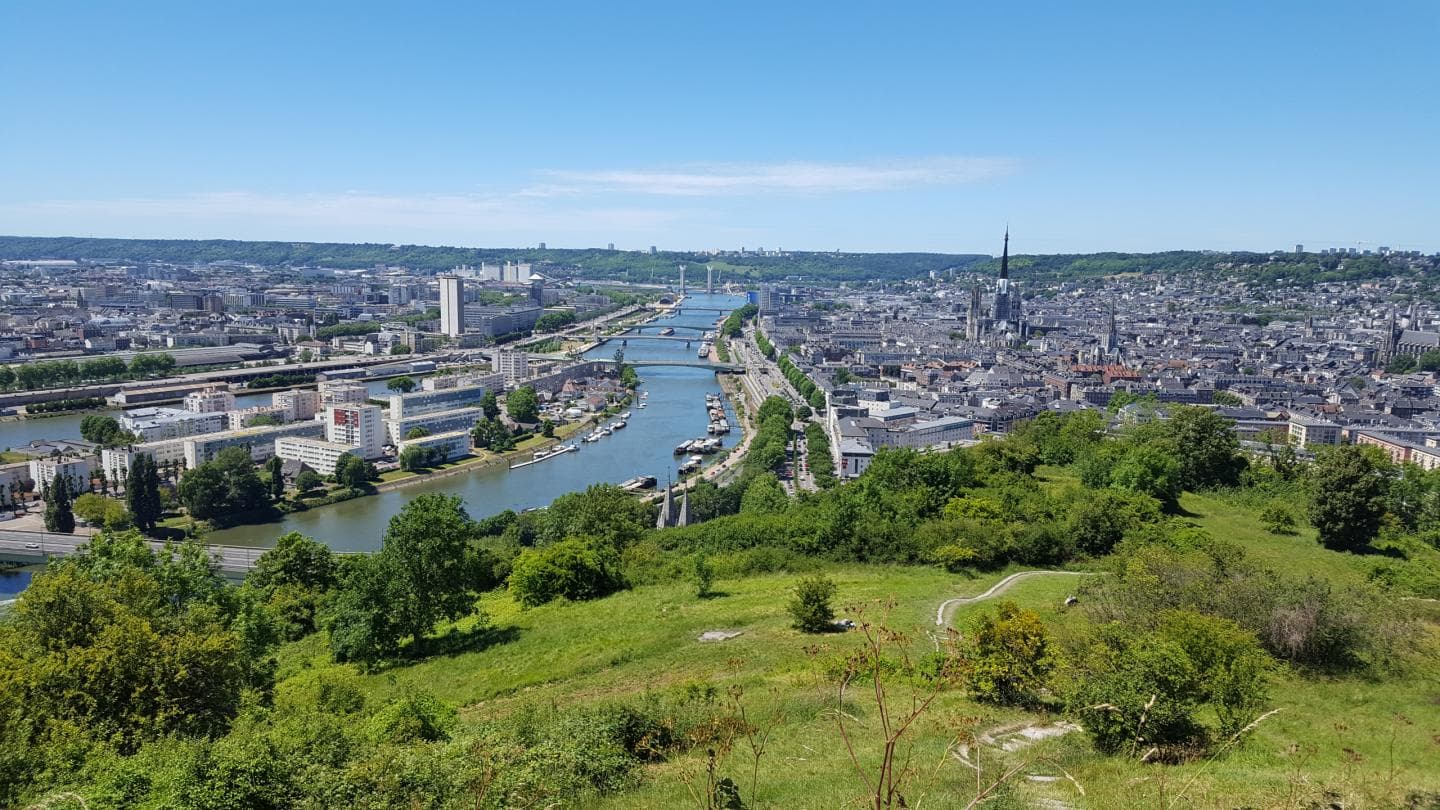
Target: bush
704, 576
1010, 656
575, 569
418, 717
1277, 519
810, 607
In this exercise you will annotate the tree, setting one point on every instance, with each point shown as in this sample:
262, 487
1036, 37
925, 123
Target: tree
351, 471
307, 481
764, 496
490, 405
1226, 398
426, 571
1347, 498
414, 458
1148, 469
294, 579
142, 492
152, 364
417, 432
490, 434
577, 569
402, 384
547, 429
1206, 446
58, 514
522, 404
129, 644
101, 512
810, 606
1010, 657
223, 486
104, 430
276, 479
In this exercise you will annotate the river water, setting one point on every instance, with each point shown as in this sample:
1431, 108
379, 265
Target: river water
674, 412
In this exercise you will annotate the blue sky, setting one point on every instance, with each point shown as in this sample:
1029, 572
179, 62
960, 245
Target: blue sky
874, 126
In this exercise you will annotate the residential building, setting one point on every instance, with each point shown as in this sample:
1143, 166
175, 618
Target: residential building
210, 399
444, 399
358, 426
451, 445
76, 471
515, 365
452, 305
259, 441
317, 454
1309, 431
155, 424
299, 403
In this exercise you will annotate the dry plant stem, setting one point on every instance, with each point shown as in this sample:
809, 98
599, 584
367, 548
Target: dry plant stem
1234, 738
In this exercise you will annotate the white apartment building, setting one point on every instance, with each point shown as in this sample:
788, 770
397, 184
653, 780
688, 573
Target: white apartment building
451, 445
446, 399
258, 441
317, 454
1307, 431
515, 366
300, 404
433, 422
116, 460
360, 426
342, 392
158, 424
452, 305
211, 399
245, 417
74, 470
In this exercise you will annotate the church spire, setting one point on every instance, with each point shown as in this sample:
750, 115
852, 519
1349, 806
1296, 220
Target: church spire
1005, 255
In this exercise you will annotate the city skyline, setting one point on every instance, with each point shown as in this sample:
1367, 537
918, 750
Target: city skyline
1113, 129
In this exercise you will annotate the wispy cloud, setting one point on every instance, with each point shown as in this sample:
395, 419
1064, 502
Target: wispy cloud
348, 213
732, 179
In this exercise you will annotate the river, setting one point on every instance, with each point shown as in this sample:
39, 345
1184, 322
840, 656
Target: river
674, 412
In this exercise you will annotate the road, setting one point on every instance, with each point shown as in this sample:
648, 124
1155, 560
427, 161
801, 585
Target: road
35, 547
949, 605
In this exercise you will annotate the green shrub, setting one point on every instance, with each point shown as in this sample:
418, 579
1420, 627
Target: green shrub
1010, 658
810, 606
575, 569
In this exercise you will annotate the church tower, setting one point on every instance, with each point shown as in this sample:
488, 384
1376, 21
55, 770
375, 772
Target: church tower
1005, 309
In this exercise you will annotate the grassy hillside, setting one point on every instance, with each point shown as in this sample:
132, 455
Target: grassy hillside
1368, 743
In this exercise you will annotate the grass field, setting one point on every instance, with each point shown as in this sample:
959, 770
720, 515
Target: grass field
1364, 743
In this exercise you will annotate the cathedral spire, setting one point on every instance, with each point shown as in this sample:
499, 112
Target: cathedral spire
1005, 255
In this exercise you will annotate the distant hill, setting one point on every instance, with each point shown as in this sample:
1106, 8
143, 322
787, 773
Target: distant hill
664, 265
636, 266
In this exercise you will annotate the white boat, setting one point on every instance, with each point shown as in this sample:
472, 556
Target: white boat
625, 415
619, 425
542, 455
642, 406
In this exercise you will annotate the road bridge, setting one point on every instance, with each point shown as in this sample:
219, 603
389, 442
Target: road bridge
688, 308
696, 329
38, 547
733, 368
628, 336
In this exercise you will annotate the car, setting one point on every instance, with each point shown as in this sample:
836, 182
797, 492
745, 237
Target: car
32, 545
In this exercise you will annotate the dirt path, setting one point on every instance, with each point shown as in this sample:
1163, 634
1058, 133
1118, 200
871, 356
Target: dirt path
1000, 587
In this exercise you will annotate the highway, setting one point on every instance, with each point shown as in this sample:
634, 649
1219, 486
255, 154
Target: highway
37, 547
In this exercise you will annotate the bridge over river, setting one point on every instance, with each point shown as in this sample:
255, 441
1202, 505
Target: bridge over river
32, 548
